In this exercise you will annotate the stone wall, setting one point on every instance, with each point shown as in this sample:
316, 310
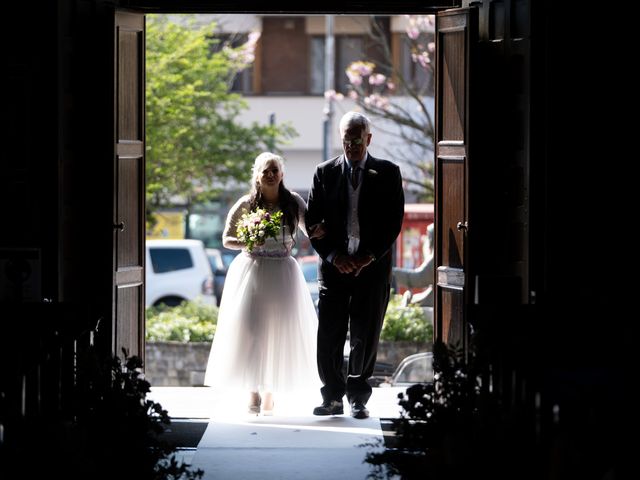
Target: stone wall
175, 363
183, 364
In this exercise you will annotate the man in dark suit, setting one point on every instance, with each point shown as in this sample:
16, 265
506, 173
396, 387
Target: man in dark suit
355, 212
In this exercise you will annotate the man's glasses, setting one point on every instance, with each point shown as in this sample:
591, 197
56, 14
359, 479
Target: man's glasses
354, 142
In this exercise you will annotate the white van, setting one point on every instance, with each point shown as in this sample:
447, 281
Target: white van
178, 270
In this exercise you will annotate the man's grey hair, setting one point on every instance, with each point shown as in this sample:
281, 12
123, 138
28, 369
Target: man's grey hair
354, 119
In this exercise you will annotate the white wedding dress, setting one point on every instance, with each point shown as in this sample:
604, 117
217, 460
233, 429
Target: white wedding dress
267, 324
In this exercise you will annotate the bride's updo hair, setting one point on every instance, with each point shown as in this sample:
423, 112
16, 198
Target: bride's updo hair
286, 202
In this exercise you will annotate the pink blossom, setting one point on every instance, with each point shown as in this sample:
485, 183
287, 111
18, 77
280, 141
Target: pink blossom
253, 38
245, 54
413, 32
377, 79
422, 58
360, 68
365, 68
431, 46
333, 95
377, 101
354, 78
418, 24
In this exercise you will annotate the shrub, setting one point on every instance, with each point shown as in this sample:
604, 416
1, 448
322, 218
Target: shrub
120, 428
405, 323
438, 419
188, 322
110, 431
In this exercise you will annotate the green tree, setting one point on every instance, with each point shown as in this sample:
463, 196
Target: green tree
195, 144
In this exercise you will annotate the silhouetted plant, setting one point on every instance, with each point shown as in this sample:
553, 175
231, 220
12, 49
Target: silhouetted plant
117, 429
435, 426
112, 432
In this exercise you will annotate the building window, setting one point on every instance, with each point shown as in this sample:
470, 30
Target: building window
317, 66
348, 49
243, 81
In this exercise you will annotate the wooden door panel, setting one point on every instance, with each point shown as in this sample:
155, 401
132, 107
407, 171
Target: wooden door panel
452, 113
129, 180
129, 185
455, 30
128, 333
451, 303
129, 88
451, 182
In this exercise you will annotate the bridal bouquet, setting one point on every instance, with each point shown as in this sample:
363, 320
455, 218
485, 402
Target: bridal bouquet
254, 227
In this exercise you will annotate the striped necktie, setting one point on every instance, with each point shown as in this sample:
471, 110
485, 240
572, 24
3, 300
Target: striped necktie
354, 176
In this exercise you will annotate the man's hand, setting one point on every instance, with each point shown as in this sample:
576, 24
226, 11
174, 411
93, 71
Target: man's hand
362, 261
352, 263
344, 263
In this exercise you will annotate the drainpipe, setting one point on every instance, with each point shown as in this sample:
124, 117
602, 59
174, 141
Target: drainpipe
329, 84
272, 140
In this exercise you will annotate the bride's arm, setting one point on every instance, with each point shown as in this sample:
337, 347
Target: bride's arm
302, 210
317, 230
229, 238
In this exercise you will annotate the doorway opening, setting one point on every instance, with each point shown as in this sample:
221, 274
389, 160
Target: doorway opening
222, 87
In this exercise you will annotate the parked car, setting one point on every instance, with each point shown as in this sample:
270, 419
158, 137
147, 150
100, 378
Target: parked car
416, 368
220, 259
178, 270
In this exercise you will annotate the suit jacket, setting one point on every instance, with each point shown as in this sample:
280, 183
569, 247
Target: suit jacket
380, 209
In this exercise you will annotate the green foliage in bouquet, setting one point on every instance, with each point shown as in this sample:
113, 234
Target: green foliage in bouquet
256, 226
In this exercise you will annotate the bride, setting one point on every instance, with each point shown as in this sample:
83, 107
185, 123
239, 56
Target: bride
265, 339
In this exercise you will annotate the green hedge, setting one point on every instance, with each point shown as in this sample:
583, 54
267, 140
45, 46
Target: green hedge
196, 322
188, 322
408, 323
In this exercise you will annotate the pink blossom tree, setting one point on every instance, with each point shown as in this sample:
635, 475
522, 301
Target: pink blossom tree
402, 96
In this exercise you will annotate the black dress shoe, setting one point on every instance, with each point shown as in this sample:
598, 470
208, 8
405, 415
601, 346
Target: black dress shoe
332, 407
359, 411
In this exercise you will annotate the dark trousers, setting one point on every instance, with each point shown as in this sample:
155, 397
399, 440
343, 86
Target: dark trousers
357, 304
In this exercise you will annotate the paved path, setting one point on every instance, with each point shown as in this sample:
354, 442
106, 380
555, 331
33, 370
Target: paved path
292, 444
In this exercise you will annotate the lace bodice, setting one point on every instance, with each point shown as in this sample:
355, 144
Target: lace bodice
273, 247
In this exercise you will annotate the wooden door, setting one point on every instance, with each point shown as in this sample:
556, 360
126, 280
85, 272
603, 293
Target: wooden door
455, 35
129, 185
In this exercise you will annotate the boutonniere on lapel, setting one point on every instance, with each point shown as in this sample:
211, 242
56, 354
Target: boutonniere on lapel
372, 172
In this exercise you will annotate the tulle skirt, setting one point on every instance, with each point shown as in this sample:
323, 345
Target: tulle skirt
267, 325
